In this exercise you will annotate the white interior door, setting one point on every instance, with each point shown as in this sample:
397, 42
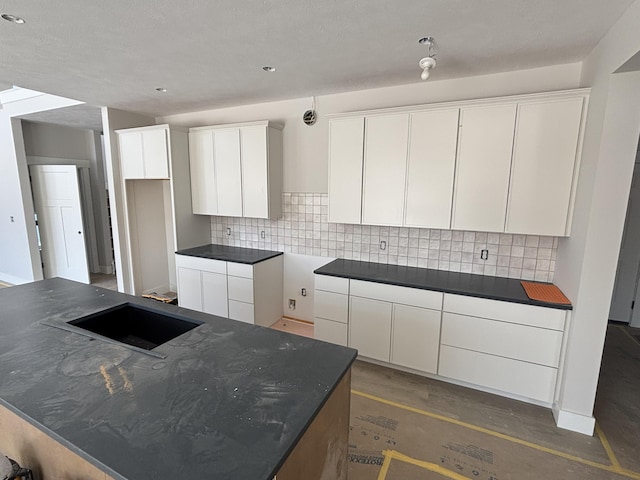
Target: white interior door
624, 290
57, 202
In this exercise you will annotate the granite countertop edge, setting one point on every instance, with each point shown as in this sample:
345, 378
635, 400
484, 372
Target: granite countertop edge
333, 269
212, 251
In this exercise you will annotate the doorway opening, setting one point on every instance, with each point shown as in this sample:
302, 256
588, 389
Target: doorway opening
625, 301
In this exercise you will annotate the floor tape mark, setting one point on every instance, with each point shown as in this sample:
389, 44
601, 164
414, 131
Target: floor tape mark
607, 447
609, 468
432, 467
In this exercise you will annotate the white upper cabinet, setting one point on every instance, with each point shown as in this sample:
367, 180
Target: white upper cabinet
228, 172
346, 143
385, 167
505, 164
483, 167
204, 199
236, 170
543, 167
144, 153
430, 169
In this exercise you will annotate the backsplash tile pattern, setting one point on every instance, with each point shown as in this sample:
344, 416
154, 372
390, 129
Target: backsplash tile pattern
304, 229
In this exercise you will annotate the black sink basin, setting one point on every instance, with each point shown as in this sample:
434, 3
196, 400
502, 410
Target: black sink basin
135, 326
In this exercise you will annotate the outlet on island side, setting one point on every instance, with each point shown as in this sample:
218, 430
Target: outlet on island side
484, 254
292, 304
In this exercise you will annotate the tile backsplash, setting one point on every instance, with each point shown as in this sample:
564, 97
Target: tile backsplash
304, 229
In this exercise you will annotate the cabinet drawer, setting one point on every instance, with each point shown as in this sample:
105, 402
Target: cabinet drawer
202, 264
520, 342
331, 306
506, 311
332, 284
240, 270
240, 289
512, 376
393, 293
330, 331
241, 311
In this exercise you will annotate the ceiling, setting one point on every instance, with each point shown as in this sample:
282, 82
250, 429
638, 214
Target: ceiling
209, 54
77, 116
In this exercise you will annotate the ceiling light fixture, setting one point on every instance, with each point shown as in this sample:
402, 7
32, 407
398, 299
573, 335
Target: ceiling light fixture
269, 69
161, 90
12, 18
428, 63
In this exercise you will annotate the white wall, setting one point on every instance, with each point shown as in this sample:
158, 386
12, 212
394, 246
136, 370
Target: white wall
20, 261
586, 263
55, 144
298, 274
306, 148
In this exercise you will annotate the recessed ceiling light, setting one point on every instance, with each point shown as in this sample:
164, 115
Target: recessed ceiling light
269, 69
161, 90
12, 18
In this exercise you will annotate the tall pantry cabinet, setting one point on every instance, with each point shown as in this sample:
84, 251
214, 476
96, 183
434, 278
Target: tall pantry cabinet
154, 168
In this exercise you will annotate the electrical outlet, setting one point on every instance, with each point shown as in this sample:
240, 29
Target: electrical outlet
383, 245
228, 231
484, 254
303, 292
262, 234
292, 304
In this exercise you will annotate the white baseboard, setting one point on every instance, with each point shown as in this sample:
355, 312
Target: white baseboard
574, 421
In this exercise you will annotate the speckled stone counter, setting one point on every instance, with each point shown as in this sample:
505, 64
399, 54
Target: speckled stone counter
229, 254
228, 400
494, 288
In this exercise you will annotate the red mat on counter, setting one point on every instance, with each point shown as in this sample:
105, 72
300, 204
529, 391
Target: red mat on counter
544, 292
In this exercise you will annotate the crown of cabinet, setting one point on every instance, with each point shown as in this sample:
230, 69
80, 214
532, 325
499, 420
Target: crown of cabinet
506, 164
236, 169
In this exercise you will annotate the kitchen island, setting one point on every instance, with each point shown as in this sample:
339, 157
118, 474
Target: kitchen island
225, 400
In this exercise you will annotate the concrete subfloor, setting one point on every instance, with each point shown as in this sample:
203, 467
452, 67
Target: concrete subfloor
405, 426
104, 280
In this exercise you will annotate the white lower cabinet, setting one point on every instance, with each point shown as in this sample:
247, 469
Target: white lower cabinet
331, 309
395, 324
505, 346
415, 338
370, 327
510, 348
248, 293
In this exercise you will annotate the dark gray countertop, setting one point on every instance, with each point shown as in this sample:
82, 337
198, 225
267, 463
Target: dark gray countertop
229, 254
229, 401
494, 288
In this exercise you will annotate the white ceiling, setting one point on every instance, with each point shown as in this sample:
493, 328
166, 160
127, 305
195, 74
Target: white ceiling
77, 116
210, 53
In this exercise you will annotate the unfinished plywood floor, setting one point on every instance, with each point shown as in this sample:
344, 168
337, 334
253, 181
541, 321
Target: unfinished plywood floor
406, 427
297, 327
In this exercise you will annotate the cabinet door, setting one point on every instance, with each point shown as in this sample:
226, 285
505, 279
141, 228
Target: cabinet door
346, 143
226, 154
189, 288
214, 294
204, 200
385, 168
431, 167
330, 331
255, 192
415, 340
543, 166
131, 155
483, 166
370, 327
156, 157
